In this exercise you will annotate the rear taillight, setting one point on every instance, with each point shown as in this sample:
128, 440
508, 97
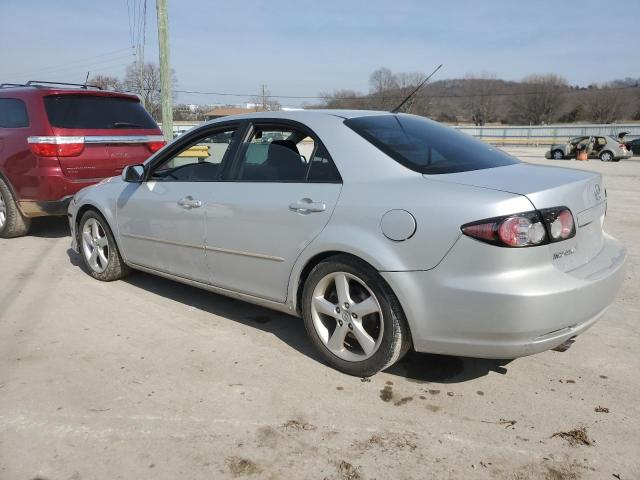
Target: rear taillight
622, 146
155, 146
559, 222
526, 229
56, 146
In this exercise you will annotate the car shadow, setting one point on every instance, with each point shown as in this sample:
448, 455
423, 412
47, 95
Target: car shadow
49, 227
430, 367
415, 367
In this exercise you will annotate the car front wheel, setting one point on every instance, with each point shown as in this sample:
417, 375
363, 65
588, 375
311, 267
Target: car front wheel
353, 318
98, 249
557, 155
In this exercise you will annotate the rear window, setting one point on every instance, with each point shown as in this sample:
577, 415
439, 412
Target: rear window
426, 146
95, 112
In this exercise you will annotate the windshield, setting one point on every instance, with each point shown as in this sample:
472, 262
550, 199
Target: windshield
427, 146
96, 112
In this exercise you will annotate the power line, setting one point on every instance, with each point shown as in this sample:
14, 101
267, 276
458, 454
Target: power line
63, 69
72, 62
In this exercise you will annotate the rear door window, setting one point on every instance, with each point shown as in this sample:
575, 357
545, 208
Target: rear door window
426, 146
97, 112
13, 113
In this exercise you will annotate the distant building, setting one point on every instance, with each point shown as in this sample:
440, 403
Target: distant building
225, 111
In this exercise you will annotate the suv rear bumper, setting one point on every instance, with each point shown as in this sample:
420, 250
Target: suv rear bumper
36, 208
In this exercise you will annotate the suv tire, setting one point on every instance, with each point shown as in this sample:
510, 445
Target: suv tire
12, 222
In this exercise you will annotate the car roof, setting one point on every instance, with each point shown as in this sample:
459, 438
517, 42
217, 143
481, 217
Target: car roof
36, 90
301, 115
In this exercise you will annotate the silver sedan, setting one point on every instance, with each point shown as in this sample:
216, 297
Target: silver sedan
384, 232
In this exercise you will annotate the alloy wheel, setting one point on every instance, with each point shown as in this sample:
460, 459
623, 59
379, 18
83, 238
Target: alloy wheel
347, 316
557, 155
3, 211
95, 245
606, 157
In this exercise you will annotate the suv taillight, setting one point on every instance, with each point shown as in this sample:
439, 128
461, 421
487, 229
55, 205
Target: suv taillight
56, 146
155, 145
526, 229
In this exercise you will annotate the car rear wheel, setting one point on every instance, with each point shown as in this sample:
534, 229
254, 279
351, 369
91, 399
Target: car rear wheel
98, 249
353, 318
12, 223
557, 154
606, 156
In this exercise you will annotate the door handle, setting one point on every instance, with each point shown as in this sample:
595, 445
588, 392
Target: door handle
188, 203
306, 205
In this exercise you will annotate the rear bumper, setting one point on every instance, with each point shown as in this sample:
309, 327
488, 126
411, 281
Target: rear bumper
35, 208
456, 311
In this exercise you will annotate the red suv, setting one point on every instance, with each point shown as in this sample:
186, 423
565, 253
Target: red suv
55, 140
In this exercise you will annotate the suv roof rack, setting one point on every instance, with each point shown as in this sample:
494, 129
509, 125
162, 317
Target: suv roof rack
11, 85
37, 83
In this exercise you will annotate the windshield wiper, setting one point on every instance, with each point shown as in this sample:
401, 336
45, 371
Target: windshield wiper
125, 125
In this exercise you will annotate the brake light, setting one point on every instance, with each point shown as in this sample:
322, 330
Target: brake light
156, 145
622, 146
56, 146
526, 229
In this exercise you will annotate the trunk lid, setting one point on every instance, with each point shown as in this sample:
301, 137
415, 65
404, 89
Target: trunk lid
546, 187
115, 129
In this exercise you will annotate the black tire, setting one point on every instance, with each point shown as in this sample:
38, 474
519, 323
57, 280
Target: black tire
115, 269
396, 338
606, 156
14, 224
559, 156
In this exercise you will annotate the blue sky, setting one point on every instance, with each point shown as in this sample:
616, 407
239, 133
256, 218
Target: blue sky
304, 47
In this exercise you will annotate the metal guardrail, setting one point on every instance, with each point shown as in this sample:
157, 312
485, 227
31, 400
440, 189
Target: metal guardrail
546, 134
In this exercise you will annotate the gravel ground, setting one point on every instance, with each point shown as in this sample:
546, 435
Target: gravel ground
146, 378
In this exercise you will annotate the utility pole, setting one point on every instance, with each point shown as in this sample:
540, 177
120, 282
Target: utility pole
264, 98
165, 70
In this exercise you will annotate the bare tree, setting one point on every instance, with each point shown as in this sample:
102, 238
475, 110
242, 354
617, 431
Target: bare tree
106, 82
384, 86
604, 105
481, 101
348, 99
147, 86
540, 99
265, 102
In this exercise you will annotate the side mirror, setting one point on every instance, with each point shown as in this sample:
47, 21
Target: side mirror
133, 173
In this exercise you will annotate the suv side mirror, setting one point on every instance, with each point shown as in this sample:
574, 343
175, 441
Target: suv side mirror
133, 173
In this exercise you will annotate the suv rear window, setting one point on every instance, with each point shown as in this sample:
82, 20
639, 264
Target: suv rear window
426, 146
96, 112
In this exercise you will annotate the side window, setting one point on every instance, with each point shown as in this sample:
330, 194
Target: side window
199, 162
322, 168
13, 113
275, 155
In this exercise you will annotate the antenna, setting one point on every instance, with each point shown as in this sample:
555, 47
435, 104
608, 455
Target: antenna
397, 109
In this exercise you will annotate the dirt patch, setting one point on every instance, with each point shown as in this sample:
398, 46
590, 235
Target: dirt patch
267, 436
433, 408
600, 409
348, 471
386, 394
575, 437
298, 425
434, 392
387, 442
240, 467
403, 401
